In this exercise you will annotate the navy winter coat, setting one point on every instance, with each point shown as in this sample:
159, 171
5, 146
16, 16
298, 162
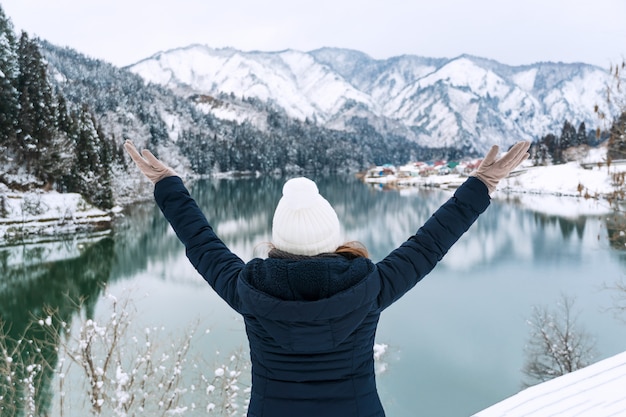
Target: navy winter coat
311, 323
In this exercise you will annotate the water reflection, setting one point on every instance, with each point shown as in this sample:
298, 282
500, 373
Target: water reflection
616, 229
478, 298
48, 275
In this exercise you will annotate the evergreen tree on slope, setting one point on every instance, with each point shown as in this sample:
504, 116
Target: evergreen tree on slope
36, 119
8, 91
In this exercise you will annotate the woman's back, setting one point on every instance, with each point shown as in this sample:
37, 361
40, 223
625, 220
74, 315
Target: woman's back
311, 326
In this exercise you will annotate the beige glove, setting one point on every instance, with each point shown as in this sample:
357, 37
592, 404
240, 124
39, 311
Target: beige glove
492, 170
148, 164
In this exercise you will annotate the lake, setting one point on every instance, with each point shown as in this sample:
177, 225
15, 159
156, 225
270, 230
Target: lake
455, 343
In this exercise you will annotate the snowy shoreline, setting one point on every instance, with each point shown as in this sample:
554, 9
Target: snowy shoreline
573, 189
569, 190
39, 215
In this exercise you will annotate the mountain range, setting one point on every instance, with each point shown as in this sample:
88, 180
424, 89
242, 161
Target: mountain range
466, 103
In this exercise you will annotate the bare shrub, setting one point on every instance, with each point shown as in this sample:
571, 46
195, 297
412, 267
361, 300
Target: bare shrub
557, 345
106, 368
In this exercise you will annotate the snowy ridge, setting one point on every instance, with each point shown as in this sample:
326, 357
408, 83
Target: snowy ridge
293, 80
594, 391
466, 102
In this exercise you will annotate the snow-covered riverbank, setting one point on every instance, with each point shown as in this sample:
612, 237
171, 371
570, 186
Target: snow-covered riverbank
41, 215
572, 189
567, 190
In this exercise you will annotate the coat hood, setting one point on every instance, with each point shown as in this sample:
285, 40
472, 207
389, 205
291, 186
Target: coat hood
308, 305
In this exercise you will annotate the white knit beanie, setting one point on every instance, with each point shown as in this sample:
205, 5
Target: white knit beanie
304, 222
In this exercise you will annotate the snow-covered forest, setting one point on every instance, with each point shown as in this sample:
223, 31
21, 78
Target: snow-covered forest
47, 142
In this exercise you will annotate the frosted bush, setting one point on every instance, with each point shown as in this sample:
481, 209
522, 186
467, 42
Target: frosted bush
116, 372
32, 205
126, 374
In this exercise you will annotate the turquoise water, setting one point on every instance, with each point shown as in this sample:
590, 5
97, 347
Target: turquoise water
455, 342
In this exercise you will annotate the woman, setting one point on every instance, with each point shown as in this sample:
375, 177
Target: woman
311, 308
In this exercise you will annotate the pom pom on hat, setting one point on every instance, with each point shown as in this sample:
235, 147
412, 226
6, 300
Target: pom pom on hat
304, 222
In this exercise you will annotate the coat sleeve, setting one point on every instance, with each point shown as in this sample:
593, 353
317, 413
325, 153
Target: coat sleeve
207, 253
415, 258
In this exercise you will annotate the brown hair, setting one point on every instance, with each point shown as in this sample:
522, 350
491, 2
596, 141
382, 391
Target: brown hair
349, 250
352, 250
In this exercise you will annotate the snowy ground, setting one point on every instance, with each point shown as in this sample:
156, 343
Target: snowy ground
594, 391
40, 215
569, 190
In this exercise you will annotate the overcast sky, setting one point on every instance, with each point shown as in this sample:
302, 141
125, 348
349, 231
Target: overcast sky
513, 32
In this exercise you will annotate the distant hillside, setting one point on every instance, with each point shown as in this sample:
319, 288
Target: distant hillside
195, 140
466, 103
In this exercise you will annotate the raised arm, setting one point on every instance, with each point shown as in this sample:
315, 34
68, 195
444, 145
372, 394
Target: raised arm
207, 253
415, 258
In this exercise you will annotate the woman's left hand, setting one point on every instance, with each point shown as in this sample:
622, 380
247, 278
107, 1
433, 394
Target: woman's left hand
148, 164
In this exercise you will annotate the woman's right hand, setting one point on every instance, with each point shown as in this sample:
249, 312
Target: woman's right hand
148, 164
491, 170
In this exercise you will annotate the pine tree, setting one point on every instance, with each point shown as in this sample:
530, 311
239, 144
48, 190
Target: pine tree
553, 148
8, 91
539, 153
568, 136
62, 116
92, 156
617, 139
103, 197
581, 135
36, 124
87, 156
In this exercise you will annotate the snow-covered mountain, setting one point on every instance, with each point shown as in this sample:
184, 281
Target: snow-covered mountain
466, 102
